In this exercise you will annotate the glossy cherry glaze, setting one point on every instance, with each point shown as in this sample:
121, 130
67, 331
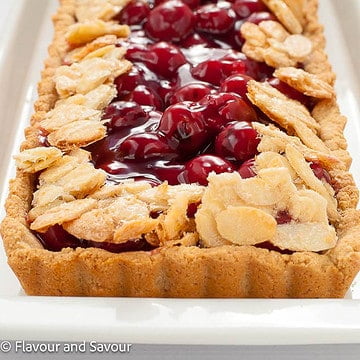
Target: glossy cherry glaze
183, 104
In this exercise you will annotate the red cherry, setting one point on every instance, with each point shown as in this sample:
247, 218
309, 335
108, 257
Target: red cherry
128, 82
168, 172
215, 19
164, 59
320, 172
198, 169
245, 8
258, 71
146, 96
145, 146
197, 39
137, 52
222, 108
124, 113
258, 17
289, 91
238, 141
192, 209
236, 84
183, 125
190, 92
134, 12
56, 238
283, 217
247, 169
210, 71
170, 21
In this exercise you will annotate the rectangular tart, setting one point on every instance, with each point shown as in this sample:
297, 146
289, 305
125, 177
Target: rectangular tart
185, 149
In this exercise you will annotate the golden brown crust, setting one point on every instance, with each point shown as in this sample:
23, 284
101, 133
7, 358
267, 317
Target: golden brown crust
225, 271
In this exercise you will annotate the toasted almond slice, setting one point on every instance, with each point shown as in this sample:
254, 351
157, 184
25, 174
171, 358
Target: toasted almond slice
96, 99
271, 159
84, 32
93, 225
284, 111
49, 193
37, 211
298, 47
253, 34
81, 155
58, 169
255, 191
285, 15
175, 221
273, 139
79, 53
309, 138
82, 180
62, 213
308, 206
245, 225
77, 134
135, 229
66, 113
207, 229
306, 83
277, 58
273, 29
100, 97
304, 171
81, 78
297, 7
305, 237
98, 9
253, 52
36, 159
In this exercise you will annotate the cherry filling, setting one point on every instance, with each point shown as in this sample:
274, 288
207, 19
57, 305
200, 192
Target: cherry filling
182, 111
56, 238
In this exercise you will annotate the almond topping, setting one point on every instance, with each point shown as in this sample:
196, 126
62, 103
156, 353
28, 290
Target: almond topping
285, 15
245, 225
84, 32
36, 159
77, 134
306, 83
305, 237
62, 213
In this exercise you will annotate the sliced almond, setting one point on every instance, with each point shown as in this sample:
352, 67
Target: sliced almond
306, 83
62, 213
65, 114
84, 32
207, 229
245, 225
305, 237
285, 15
273, 139
77, 134
135, 229
36, 159
304, 171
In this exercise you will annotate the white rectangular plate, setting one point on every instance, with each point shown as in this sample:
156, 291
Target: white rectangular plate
23, 44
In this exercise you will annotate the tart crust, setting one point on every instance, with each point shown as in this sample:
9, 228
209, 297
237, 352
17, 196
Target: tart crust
225, 271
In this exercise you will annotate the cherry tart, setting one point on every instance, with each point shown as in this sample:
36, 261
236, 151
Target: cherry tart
185, 148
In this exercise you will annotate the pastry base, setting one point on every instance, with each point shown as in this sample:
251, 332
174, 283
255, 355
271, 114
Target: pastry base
226, 271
